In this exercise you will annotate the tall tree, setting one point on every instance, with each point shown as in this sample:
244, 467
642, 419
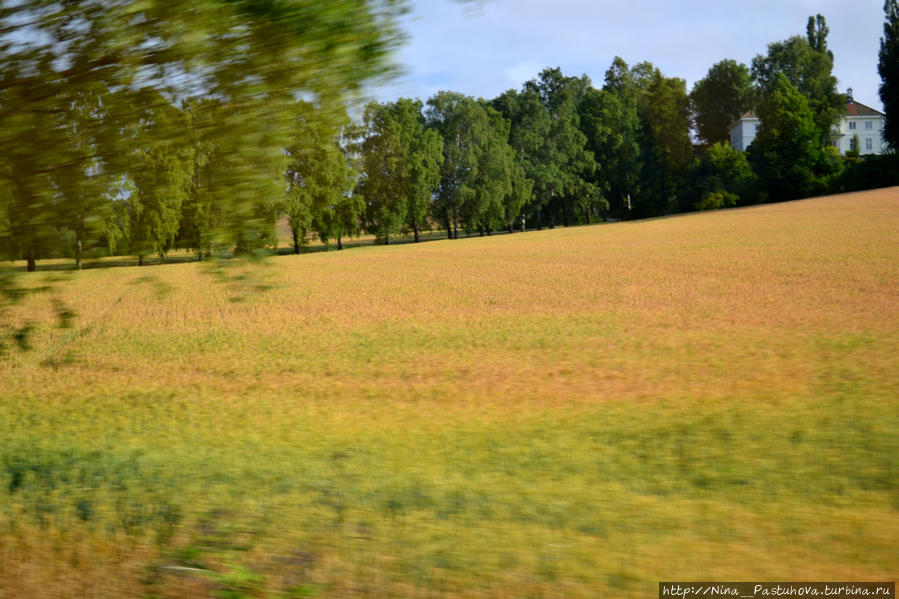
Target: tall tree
529, 128
807, 63
423, 156
161, 168
463, 127
561, 166
612, 128
785, 154
719, 98
888, 66
253, 57
621, 156
319, 178
85, 183
401, 159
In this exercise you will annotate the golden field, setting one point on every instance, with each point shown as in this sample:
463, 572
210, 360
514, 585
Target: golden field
569, 413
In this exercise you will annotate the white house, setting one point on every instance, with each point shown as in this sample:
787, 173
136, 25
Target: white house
857, 120
743, 131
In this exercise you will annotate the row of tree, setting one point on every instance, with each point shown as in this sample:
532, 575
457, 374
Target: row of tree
100, 159
560, 151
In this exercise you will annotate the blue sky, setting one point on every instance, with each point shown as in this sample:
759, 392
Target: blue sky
485, 47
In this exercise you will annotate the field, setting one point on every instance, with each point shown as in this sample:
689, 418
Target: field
579, 412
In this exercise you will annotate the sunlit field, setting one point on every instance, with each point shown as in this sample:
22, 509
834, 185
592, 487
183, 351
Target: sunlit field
574, 412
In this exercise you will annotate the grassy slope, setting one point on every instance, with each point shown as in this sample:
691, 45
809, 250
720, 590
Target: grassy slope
709, 396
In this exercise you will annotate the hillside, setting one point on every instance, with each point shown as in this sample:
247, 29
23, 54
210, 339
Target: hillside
705, 397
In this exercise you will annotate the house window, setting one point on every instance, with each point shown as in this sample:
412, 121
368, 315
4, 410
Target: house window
852, 147
868, 144
852, 125
869, 125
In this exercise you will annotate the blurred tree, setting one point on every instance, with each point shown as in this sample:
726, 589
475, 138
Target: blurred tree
253, 58
888, 67
719, 98
161, 167
250, 60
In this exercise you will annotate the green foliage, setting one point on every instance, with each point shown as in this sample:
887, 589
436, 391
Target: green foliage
81, 80
161, 168
718, 99
562, 166
713, 200
888, 67
868, 172
785, 154
319, 177
724, 178
400, 167
424, 159
476, 170
807, 64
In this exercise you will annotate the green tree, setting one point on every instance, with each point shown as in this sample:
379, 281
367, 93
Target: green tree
161, 169
724, 177
563, 166
719, 98
253, 57
463, 126
401, 159
616, 138
530, 124
423, 150
664, 138
319, 178
807, 63
888, 67
785, 154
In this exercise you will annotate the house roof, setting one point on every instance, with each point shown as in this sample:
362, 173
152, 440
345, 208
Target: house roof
854, 108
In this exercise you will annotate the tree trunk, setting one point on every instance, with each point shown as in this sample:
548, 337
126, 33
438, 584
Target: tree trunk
523, 227
446, 221
296, 242
387, 239
539, 219
30, 260
415, 231
339, 242
78, 252
140, 259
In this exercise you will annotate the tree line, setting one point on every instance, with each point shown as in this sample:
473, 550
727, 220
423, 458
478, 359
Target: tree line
113, 148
